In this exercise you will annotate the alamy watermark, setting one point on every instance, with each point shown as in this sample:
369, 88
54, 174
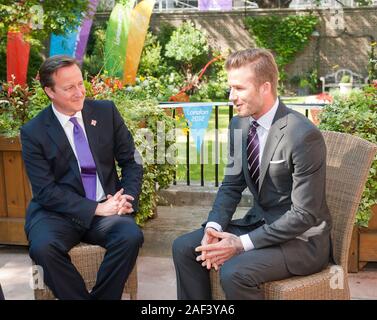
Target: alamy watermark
170, 147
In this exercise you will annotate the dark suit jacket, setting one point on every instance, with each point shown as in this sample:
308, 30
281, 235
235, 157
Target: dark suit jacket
291, 196
53, 170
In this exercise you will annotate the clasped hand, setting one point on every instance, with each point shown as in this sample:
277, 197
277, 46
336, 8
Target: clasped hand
217, 247
119, 204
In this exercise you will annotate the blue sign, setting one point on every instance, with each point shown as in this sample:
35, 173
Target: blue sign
198, 118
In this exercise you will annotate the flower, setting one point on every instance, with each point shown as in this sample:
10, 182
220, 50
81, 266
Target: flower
325, 97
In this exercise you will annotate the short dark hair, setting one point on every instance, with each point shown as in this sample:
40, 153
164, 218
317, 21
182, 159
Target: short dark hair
262, 63
51, 65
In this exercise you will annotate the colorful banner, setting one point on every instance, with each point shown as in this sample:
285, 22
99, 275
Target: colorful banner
223, 5
86, 25
74, 43
117, 38
17, 57
139, 23
198, 118
63, 44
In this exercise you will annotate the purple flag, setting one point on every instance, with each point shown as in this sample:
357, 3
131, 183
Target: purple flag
223, 5
85, 30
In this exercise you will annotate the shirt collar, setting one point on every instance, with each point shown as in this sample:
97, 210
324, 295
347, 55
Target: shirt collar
63, 118
265, 121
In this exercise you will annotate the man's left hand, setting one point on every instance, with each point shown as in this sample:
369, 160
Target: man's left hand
124, 206
229, 246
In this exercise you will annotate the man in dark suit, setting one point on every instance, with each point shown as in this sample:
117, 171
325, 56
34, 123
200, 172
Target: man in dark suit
280, 156
69, 151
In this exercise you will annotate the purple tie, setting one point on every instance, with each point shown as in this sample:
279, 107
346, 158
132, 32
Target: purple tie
86, 161
253, 153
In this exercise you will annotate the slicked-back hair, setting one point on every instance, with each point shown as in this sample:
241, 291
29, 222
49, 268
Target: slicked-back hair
51, 65
261, 62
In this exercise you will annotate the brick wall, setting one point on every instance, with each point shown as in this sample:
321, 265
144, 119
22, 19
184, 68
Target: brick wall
339, 44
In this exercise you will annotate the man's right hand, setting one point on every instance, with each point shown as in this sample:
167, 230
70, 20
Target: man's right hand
208, 238
110, 206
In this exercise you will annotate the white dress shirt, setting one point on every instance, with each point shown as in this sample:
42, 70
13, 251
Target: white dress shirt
68, 129
265, 123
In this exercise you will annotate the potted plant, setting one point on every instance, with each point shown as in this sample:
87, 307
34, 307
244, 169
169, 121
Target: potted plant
345, 85
15, 193
356, 114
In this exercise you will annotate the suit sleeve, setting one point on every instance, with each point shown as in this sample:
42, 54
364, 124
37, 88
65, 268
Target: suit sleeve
128, 158
308, 194
46, 192
230, 191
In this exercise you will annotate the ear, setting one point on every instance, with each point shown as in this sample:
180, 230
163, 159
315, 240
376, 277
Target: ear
266, 88
49, 92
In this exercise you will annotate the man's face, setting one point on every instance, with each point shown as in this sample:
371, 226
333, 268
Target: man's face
247, 98
68, 93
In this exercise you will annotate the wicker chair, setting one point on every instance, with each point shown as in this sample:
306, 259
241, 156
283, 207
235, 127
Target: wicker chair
348, 162
87, 259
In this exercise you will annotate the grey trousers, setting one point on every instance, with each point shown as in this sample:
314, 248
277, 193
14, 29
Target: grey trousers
240, 276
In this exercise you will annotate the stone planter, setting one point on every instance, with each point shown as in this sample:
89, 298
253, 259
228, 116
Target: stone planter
345, 88
15, 192
364, 244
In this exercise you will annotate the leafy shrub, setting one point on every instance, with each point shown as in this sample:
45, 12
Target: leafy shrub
356, 114
189, 47
285, 36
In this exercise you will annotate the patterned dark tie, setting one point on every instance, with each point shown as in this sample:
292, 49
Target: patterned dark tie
253, 153
86, 161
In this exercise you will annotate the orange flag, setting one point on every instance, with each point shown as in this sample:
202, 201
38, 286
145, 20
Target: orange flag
140, 17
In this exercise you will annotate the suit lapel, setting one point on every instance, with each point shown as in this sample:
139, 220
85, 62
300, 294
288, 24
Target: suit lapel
93, 135
275, 134
58, 136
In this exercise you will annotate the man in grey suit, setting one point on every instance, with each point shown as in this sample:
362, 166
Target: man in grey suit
281, 157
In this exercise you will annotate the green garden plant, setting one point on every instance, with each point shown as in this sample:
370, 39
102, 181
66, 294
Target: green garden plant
356, 114
345, 79
284, 36
189, 47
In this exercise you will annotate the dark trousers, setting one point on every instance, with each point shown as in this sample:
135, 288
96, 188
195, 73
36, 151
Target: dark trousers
240, 276
52, 237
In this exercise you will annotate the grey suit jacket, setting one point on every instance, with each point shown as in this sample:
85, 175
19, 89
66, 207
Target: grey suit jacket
291, 197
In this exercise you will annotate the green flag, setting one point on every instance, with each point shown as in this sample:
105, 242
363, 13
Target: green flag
117, 38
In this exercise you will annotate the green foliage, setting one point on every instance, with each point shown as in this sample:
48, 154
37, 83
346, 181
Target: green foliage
94, 59
345, 79
372, 62
357, 114
216, 86
188, 46
156, 175
151, 61
19, 104
164, 34
161, 88
285, 36
15, 101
